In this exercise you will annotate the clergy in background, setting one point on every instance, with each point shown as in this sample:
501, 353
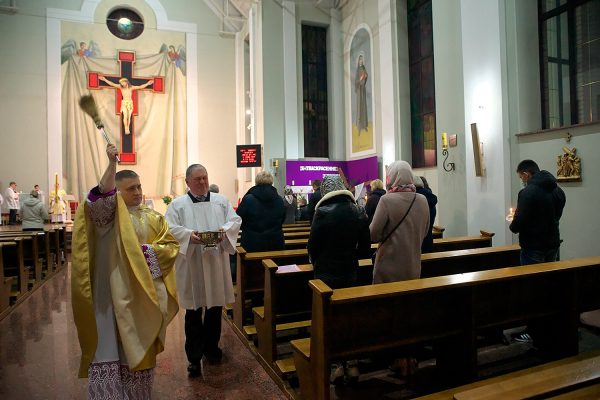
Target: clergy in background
123, 286
203, 274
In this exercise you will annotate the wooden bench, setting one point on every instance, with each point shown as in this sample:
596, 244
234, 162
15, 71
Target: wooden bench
250, 279
463, 242
14, 265
5, 281
447, 312
250, 272
287, 296
576, 377
439, 244
297, 224
43, 262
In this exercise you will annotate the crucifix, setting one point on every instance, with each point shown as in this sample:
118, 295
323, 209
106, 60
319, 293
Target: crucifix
126, 104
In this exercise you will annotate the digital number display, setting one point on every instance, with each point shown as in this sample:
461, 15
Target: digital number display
248, 155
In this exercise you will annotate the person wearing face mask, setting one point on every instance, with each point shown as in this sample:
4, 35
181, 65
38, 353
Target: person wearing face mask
539, 208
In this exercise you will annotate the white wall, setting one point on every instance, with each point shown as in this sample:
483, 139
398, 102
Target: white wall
580, 223
450, 116
23, 134
484, 96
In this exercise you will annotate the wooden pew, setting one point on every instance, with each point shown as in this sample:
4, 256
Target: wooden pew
5, 282
250, 273
250, 279
439, 244
14, 265
34, 252
56, 246
576, 377
447, 312
287, 297
463, 242
469, 260
297, 224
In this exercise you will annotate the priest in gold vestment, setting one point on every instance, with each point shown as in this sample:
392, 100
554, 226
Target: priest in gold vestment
123, 286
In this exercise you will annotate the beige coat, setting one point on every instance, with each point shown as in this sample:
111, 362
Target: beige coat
399, 258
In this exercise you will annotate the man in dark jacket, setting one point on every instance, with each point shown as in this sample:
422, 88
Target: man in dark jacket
262, 211
314, 199
539, 208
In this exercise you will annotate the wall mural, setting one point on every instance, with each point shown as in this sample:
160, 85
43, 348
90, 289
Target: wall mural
360, 87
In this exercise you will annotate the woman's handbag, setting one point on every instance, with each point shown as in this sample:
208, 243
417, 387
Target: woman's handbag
392, 231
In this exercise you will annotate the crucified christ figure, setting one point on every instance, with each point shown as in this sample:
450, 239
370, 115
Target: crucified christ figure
127, 101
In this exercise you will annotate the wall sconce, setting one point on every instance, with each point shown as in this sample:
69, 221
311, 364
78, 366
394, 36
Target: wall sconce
448, 167
275, 164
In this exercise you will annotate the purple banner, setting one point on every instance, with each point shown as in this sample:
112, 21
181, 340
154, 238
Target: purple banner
302, 173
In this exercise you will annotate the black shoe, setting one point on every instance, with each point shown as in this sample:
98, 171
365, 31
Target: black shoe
214, 357
194, 370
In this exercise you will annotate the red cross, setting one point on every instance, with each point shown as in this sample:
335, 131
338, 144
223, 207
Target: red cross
126, 61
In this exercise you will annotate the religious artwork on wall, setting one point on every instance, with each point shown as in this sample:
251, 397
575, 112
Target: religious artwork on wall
360, 87
144, 110
568, 166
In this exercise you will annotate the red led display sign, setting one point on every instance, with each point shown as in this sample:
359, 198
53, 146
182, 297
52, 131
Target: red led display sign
248, 155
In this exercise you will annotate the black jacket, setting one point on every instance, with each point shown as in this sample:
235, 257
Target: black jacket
262, 213
539, 208
339, 237
312, 203
427, 246
372, 202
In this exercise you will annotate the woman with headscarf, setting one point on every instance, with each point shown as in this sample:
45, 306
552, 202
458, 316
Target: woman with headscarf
289, 201
339, 237
401, 222
399, 256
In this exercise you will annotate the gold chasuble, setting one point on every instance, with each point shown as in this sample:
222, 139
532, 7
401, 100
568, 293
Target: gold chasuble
133, 253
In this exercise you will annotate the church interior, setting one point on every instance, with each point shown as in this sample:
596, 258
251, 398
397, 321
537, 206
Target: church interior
463, 90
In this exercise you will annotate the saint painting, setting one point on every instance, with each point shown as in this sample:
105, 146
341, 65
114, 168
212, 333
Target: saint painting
361, 93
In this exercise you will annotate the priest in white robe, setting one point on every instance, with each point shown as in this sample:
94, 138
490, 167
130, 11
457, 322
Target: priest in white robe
203, 275
122, 285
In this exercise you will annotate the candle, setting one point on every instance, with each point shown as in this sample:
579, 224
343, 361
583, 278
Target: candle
444, 140
510, 211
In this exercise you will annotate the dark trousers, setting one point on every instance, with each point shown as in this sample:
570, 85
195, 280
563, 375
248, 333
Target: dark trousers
202, 334
12, 216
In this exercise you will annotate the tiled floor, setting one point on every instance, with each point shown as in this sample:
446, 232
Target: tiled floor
39, 357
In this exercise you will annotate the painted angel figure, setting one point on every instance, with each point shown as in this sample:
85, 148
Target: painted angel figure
176, 56
70, 48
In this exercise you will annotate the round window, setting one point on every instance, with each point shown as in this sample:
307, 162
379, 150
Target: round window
125, 23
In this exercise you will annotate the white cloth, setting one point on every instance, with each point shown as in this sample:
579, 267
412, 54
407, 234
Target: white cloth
203, 274
160, 126
12, 199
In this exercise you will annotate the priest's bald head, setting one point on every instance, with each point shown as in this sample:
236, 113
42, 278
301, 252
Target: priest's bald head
128, 184
196, 178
